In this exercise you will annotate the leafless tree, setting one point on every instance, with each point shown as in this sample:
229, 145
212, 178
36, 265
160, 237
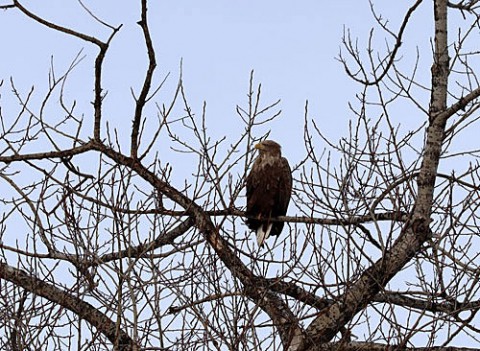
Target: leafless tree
111, 247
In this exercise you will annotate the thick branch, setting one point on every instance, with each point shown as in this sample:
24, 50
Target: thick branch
268, 301
450, 307
98, 90
459, 105
83, 309
416, 231
48, 154
142, 99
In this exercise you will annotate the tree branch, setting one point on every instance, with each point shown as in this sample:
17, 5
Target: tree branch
141, 249
393, 53
370, 346
415, 231
270, 302
142, 99
81, 308
58, 28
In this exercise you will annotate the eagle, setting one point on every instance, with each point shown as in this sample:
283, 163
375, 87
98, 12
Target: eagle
269, 188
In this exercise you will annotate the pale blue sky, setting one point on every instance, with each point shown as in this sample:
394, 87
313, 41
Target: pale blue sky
291, 46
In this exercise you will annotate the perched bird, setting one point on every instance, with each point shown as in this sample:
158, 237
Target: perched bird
269, 188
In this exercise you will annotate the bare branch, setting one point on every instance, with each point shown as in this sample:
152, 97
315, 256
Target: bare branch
83, 309
142, 98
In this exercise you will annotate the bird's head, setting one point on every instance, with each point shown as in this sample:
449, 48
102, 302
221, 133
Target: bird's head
269, 147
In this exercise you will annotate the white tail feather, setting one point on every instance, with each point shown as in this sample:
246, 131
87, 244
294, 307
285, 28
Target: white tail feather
263, 235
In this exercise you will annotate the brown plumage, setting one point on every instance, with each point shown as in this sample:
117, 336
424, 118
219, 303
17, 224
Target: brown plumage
269, 187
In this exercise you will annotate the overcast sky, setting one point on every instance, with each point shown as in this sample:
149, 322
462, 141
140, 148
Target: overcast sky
292, 47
